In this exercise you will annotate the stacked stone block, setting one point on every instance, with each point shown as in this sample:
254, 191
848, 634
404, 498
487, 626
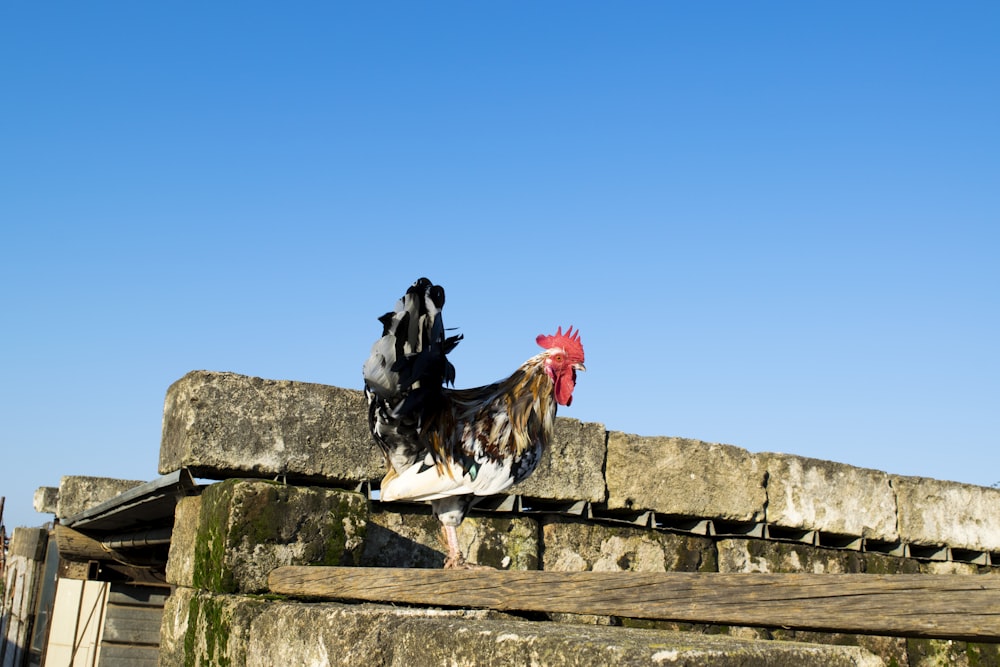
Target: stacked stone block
221, 425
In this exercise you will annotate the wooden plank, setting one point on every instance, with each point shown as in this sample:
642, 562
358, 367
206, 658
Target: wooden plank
132, 625
128, 656
140, 596
934, 606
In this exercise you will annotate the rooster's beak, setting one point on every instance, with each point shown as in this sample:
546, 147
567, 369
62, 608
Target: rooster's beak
579, 367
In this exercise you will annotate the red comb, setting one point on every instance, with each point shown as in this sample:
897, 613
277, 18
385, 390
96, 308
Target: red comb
569, 341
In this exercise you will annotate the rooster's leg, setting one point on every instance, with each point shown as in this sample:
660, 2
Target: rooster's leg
454, 559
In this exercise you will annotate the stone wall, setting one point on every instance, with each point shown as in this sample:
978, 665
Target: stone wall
223, 425
599, 501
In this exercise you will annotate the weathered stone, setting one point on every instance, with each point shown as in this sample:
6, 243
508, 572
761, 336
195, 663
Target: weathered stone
810, 494
28, 543
223, 425
682, 477
941, 652
961, 516
240, 530
576, 546
46, 500
201, 629
414, 539
79, 493
318, 634
892, 650
572, 468
875, 563
750, 555
204, 630
180, 558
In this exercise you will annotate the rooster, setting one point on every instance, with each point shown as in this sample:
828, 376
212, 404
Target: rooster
453, 446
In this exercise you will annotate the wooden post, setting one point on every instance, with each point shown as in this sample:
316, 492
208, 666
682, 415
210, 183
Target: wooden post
933, 606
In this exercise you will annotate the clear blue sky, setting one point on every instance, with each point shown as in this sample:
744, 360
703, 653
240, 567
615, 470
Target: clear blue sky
777, 224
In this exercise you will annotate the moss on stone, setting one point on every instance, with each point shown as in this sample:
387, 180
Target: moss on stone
982, 654
208, 622
874, 563
248, 527
211, 543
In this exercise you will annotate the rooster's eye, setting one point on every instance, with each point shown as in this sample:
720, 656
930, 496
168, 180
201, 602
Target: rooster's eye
558, 357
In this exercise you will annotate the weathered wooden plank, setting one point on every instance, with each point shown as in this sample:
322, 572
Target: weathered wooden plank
132, 625
140, 596
129, 656
938, 606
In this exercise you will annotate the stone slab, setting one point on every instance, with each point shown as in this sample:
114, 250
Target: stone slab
810, 494
328, 633
180, 558
572, 468
683, 477
78, 492
201, 629
961, 516
223, 425
750, 555
231, 538
209, 629
413, 538
28, 543
205, 629
46, 499
577, 546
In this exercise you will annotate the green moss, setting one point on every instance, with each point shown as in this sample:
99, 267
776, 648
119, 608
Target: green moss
208, 619
933, 651
210, 571
238, 516
522, 545
261, 509
874, 563
982, 654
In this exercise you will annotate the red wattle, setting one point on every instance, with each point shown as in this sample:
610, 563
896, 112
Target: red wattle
563, 390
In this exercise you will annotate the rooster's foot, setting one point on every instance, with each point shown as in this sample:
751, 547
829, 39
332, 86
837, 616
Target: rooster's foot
459, 563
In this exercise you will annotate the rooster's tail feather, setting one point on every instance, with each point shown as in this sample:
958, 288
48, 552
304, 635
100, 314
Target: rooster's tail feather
407, 370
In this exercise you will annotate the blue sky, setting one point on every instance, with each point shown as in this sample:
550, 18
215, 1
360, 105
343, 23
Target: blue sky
776, 224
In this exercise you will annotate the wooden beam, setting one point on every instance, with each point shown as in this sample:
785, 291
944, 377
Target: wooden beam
934, 606
74, 545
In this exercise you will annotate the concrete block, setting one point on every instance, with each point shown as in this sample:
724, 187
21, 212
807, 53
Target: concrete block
810, 494
239, 530
682, 477
78, 493
961, 516
572, 468
414, 539
46, 500
576, 546
226, 425
329, 633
